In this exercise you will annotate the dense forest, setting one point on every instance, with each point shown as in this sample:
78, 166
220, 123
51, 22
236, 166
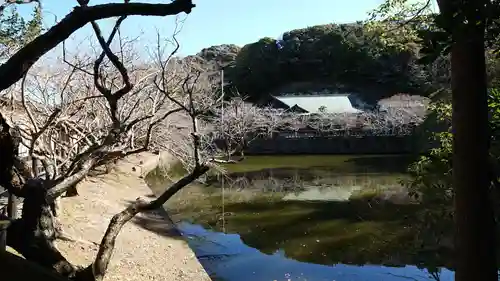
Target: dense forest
366, 58
345, 57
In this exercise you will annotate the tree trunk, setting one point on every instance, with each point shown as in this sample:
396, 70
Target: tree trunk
14, 268
3, 231
12, 206
33, 235
474, 216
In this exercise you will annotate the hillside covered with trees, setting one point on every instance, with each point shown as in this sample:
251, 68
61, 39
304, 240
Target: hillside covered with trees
371, 59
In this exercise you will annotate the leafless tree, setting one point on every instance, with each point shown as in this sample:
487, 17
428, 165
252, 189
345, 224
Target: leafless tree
187, 135
395, 116
84, 115
237, 123
390, 121
19, 63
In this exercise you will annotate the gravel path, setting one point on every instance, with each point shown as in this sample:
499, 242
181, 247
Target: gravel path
147, 248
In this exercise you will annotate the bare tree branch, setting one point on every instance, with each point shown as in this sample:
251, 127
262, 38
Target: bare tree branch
74, 122
106, 248
7, 3
14, 69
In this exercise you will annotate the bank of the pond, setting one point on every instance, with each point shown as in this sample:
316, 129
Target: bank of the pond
339, 163
307, 218
148, 248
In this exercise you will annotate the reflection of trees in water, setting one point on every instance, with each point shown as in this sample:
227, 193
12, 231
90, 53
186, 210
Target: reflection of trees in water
432, 273
237, 183
262, 182
435, 275
296, 180
332, 232
352, 232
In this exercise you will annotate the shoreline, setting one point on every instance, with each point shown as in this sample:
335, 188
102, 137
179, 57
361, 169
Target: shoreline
149, 247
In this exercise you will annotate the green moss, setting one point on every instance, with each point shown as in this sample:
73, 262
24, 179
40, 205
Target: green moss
366, 193
312, 231
319, 231
177, 170
339, 163
350, 164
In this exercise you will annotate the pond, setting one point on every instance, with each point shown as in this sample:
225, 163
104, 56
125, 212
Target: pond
342, 218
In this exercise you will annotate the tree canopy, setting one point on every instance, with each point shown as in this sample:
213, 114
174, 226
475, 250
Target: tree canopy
359, 57
15, 31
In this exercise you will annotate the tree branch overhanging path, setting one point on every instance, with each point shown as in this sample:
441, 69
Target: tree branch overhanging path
14, 69
99, 121
93, 109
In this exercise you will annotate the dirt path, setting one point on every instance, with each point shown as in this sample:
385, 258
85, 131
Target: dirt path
148, 248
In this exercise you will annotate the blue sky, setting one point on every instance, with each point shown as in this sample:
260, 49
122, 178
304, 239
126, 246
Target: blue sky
215, 22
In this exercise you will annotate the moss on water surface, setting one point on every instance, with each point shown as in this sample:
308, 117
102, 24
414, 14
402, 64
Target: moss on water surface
340, 163
310, 224
336, 163
311, 231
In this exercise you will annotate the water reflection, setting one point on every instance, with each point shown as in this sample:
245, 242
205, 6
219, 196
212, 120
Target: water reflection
308, 224
226, 257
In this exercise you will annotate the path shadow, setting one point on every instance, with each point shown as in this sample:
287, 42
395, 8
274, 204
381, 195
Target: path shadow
157, 221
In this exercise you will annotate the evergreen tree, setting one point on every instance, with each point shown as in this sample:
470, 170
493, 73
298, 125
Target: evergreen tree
15, 31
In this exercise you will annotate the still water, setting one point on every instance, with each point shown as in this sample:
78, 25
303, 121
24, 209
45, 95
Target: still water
306, 218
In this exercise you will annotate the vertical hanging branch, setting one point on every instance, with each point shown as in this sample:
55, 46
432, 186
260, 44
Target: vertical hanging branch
193, 113
112, 98
90, 157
